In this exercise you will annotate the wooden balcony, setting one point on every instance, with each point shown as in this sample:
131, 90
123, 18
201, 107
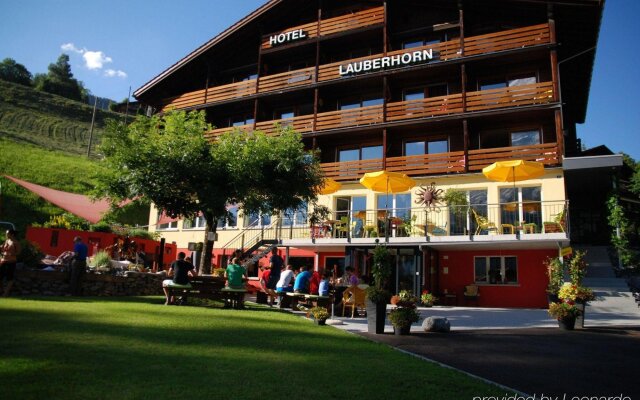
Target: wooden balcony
443, 163
515, 96
477, 45
546, 153
330, 26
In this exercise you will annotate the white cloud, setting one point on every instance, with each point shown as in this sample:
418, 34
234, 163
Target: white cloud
110, 73
95, 59
71, 47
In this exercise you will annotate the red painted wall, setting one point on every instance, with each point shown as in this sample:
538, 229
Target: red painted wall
530, 292
56, 241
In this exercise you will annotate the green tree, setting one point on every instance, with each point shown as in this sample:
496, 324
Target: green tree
167, 160
11, 71
59, 80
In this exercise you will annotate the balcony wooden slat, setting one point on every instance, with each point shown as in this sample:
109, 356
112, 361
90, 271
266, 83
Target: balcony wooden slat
428, 163
347, 118
302, 124
537, 93
334, 25
285, 80
232, 90
186, 100
351, 170
546, 153
429, 107
507, 40
356, 20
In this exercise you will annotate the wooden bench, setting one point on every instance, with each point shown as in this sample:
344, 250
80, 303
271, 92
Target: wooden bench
209, 287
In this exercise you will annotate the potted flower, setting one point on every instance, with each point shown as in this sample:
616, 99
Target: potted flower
377, 297
404, 299
320, 315
402, 317
428, 299
565, 312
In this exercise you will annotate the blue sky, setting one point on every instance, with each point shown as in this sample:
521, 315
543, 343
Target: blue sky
115, 44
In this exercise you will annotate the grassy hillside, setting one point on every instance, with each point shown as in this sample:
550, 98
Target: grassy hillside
47, 120
43, 139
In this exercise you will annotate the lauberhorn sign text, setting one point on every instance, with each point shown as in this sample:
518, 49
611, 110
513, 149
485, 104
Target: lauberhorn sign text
398, 60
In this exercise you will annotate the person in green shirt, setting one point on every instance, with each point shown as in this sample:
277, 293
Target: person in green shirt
236, 275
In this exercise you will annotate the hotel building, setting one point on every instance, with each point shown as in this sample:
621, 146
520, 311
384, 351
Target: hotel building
435, 89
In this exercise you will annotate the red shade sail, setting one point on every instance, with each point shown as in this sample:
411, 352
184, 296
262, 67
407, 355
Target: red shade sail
76, 204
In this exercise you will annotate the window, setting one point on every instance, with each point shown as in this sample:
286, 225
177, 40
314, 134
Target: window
256, 220
496, 270
525, 138
399, 205
350, 104
242, 120
426, 147
506, 81
362, 153
168, 225
194, 223
231, 220
295, 217
461, 223
521, 206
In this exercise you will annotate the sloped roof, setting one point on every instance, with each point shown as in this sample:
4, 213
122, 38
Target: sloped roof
217, 39
76, 204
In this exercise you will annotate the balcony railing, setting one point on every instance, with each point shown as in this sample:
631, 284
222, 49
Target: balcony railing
330, 26
515, 96
528, 220
476, 45
443, 163
546, 153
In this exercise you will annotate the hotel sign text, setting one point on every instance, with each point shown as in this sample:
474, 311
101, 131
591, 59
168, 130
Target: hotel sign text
398, 60
287, 37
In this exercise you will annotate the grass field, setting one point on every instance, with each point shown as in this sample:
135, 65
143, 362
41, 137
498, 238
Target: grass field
135, 348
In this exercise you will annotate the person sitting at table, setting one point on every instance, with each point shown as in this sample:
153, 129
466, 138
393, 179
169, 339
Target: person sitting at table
350, 278
314, 282
323, 288
235, 274
301, 284
264, 279
284, 283
180, 271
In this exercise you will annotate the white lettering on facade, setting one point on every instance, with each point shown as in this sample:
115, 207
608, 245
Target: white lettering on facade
397, 60
287, 37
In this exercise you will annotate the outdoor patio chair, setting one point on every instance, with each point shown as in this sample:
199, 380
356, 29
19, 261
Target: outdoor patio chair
471, 293
483, 223
353, 297
342, 227
557, 225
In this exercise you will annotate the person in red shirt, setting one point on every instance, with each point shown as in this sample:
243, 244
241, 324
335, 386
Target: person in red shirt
264, 279
314, 282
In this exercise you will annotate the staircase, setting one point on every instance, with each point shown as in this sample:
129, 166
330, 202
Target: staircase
255, 241
616, 305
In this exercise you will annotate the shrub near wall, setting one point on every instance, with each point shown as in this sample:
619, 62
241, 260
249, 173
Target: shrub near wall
52, 283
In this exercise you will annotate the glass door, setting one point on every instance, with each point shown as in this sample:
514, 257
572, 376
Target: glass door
407, 262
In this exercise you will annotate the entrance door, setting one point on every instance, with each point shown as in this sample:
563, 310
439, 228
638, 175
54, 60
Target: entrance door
407, 262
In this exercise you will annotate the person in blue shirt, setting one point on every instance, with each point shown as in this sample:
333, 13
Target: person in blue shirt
301, 284
323, 288
78, 266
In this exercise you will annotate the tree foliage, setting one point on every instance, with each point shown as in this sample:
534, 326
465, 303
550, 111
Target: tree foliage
167, 160
59, 80
14, 72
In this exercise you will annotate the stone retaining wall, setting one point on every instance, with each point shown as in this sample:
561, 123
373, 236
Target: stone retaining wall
52, 283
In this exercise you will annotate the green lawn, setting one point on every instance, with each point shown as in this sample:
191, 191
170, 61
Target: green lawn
135, 348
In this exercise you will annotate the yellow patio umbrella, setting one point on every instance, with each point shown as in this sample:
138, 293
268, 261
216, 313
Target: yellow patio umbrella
513, 171
387, 182
330, 186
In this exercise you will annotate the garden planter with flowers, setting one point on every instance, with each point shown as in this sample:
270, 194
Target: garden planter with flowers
565, 312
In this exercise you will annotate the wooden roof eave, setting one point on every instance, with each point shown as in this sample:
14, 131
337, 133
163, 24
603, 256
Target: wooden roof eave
208, 45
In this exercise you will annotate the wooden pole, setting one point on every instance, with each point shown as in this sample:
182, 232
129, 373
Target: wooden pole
93, 120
